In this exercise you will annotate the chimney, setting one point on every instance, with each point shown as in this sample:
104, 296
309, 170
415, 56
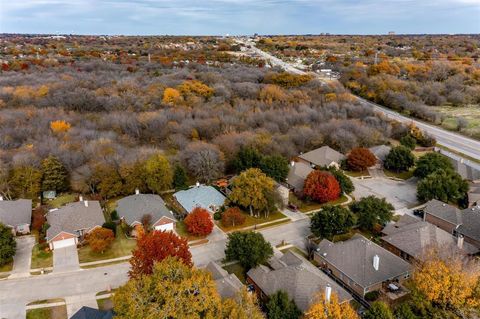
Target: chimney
328, 293
460, 241
80, 198
198, 184
137, 191
376, 262
292, 163
86, 203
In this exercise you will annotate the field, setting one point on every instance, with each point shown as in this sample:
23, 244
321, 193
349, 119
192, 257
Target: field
470, 113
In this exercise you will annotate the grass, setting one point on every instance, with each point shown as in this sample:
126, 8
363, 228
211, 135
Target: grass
357, 174
7, 267
238, 270
280, 222
182, 231
104, 264
401, 175
59, 312
295, 250
105, 304
122, 246
61, 200
306, 206
252, 221
41, 258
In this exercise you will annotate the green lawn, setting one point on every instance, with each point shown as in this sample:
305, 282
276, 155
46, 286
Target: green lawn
59, 312
41, 258
105, 304
306, 206
251, 221
238, 270
401, 175
122, 246
357, 174
7, 267
61, 200
182, 231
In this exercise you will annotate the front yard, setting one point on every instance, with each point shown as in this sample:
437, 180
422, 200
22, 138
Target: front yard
401, 175
305, 205
252, 221
181, 230
58, 312
41, 257
7, 267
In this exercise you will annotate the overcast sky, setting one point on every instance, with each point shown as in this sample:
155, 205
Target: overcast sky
217, 17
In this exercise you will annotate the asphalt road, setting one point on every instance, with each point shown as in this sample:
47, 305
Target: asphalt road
454, 141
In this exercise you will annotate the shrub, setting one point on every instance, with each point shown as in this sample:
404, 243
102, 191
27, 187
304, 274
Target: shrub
217, 216
199, 222
372, 295
100, 239
233, 217
408, 141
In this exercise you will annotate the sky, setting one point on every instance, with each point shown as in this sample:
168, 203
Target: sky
238, 17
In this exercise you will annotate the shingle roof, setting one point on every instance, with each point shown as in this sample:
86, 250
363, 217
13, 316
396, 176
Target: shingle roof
444, 211
297, 175
297, 277
73, 217
380, 151
92, 313
354, 258
199, 196
15, 212
470, 223
414, 238
323, 156
227, 284
134, 207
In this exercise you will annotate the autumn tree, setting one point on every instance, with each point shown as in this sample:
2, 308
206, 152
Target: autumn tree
360, 158
154, 247
280, 306
172, 290
100, 239
195, 87
25, 181
199, 222
108, 181
243, 306
232, 217
55, 175
372, 211
60, 126
332, 220
321, 186
171, 96
159, 175
332, 309
430, 163
134, 177
399, 159
8, 244
249, 248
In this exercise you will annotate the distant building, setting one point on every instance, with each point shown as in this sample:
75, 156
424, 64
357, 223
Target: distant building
324, 156
16, 214
391, 33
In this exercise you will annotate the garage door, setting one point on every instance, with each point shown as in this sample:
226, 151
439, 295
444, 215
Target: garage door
63, 243
165, 227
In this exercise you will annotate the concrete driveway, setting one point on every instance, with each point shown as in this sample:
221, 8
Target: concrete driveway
65, 259
23, 257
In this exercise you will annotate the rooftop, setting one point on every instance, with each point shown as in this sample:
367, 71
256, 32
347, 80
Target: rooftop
323, 156
200, 196
132, 208
227, 284
297, 174
15, 212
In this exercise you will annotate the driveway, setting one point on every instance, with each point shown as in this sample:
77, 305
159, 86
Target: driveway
65, 259
23, 257
294, 216
74, 303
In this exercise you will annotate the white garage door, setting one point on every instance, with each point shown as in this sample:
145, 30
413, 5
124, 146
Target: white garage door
63, 243
165, 227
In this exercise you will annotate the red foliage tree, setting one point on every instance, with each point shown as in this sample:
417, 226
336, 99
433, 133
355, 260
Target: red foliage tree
38, 219
154, 247
233, 217
321, 186
360, 158
199, 222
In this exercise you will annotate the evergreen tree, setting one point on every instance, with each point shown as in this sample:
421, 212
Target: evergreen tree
55, 175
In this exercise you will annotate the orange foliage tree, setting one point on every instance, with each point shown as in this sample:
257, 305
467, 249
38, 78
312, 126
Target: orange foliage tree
195, 87
155, 247
199, 222
330, 310
60, 126
321, 186
100, 239
171, 96
233, 217
360, 158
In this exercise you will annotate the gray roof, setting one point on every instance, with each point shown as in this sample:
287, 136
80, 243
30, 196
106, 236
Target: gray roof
297, 277
414, 237
132, 208
354, 258
380, 151
470, 226
227, 284
297, 175
443, 211
15, 212
474, 194
92, 313
74, 216
323, 156
199, 196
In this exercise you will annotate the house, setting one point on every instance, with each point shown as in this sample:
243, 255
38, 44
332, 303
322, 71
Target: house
297, 175
324, 156
474, 195
380, 152
202, 196
133, 208
92, 313
410, 238
297, 277
228, 285
70, 223
16, 214
361, 265
455, 221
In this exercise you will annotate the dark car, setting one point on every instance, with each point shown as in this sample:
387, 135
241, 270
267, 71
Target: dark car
292, 207
418, 212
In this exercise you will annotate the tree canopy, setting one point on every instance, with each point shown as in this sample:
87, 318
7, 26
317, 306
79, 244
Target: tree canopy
159, 175
372, 211
379, 310
346, 184
446, 186
330, 310
360, 158
321, 186
249, 248
430, 163
199, 222
280, 306
399, 159
100, 239
7, 245
332, 220
54, 175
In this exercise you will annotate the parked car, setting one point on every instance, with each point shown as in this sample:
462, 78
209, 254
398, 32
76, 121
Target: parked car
418, 212
292, 207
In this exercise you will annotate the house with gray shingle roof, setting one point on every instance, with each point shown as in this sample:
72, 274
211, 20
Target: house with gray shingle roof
133, 208
16, 214
203, 196
410, 238
324, 156
361, 264
297, 277
297, 175
70, 223
228, 285
380, 152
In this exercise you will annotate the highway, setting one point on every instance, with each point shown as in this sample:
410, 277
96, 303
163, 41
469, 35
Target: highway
451, 140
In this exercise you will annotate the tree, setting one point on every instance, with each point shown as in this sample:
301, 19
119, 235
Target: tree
250, 189
100, 239
109, 181
173, 290
346, 184
322, 309
446, 186
159, 176
154, 247
199, 222
249, 248
275, 166
321, 186
25, 181
430, 163
372, 211
60, 126
55, 175
404, 311
171, 96
332, 220
233, 217
204, 161
112, 226
179, 178
360, 158
399, 159
243, 306
7, 245
378, 310
280, 306
247, 157
408, 141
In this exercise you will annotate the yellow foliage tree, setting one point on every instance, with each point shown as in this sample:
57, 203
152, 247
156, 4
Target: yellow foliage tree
243, 306
171, 96
272, 93
330, 310
195, 87
42, 91
60, 126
